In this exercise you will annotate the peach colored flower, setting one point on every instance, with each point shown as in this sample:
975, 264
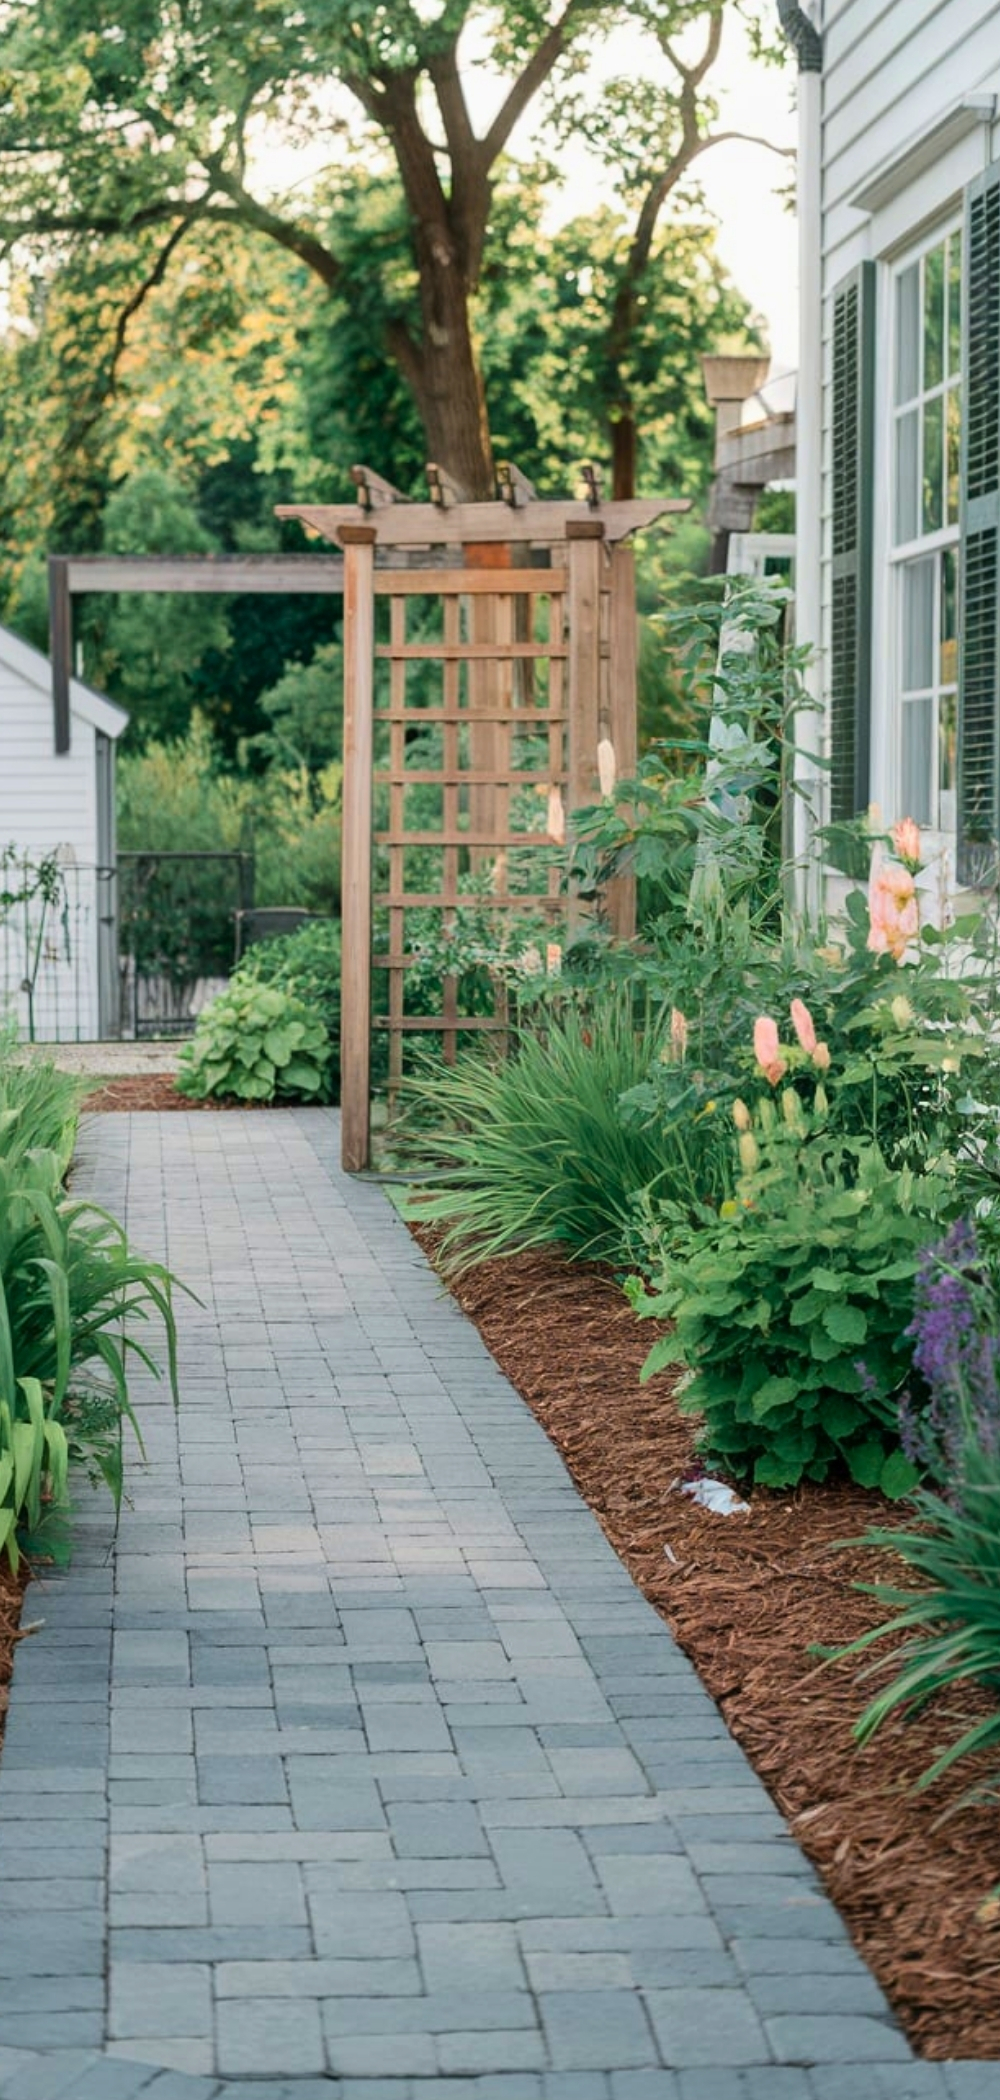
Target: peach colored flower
821, 1057
678, 1034
553, 958
906, 845
607, 768
802, 1022
767, 1049
893, 910
555, 822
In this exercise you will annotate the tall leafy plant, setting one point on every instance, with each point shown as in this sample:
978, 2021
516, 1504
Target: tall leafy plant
71, 1294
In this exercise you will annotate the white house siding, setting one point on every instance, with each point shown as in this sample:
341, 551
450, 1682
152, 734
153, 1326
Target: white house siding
890, 72
49, 804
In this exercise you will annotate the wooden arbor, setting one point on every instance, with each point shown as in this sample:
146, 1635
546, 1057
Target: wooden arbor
489, 648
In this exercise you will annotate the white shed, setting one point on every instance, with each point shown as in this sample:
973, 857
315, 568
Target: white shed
58, 953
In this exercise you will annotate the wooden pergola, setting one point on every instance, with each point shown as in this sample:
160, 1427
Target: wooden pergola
534, 647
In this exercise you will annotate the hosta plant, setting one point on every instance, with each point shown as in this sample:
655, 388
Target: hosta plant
257, 1042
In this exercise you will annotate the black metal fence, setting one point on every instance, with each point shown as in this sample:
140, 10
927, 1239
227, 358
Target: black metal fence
176, 934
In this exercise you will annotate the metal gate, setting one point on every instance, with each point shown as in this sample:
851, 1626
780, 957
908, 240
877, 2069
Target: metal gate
176, 933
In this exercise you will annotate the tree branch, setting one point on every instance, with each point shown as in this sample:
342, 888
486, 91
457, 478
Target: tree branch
297, 239
545, 56
105, 380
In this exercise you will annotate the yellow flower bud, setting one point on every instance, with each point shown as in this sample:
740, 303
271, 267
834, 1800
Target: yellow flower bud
820, 1101
791, 1108
901, 1011
749, 1155
741, 1115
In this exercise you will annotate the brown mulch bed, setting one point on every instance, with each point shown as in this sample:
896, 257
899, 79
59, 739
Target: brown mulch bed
11, 1593
156, 1090
746, 1598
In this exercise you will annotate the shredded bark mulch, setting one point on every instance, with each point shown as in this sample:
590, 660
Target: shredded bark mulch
155, 1090
747, 1597
11, 1593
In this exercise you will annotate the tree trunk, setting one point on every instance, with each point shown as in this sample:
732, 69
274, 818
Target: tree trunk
623, 454
443, 370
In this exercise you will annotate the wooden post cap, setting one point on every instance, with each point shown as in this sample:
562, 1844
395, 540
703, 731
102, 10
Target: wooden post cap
357, 535
584, 529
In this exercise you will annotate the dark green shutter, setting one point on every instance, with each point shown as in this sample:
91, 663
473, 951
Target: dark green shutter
852, 469
979, 639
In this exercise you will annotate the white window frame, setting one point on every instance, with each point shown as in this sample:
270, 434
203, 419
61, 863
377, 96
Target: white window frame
890, 559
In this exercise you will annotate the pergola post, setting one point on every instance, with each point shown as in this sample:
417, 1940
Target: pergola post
585, 553
623, 712
358, 542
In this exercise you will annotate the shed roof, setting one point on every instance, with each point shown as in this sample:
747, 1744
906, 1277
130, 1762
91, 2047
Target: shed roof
30, 665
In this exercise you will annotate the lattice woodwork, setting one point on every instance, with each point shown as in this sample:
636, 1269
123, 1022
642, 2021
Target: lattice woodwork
500, 662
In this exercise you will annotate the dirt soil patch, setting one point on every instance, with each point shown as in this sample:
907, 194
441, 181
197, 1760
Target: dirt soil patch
746, 1597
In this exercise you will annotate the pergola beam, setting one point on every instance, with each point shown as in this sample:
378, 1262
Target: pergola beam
222, 575
469, 524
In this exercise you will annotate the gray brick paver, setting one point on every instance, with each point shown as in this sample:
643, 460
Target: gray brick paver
411, 1795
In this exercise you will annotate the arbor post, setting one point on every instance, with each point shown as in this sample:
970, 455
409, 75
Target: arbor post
358, 542
623, 712
585, 553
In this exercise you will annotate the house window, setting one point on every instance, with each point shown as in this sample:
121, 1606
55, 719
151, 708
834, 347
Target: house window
925, 523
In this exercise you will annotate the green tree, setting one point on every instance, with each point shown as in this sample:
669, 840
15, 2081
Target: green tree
132, 124
142, 646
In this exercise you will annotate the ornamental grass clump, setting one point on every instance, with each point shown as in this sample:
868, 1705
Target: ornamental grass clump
39, 1106
533, 1150
71, 1291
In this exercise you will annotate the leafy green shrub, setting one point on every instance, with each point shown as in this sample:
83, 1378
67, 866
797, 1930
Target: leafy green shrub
790, 1309
306, 962
256, 1042
38, 1107
69, 1286
531, 1151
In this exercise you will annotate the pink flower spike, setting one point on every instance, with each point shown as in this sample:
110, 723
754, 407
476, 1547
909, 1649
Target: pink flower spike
802, 1022
767, 1049
906, 844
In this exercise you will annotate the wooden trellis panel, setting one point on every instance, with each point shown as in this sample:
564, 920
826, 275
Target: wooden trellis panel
518, 652
486, 704
549, 651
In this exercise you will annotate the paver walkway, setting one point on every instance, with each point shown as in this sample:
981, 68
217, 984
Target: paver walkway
401, 1790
